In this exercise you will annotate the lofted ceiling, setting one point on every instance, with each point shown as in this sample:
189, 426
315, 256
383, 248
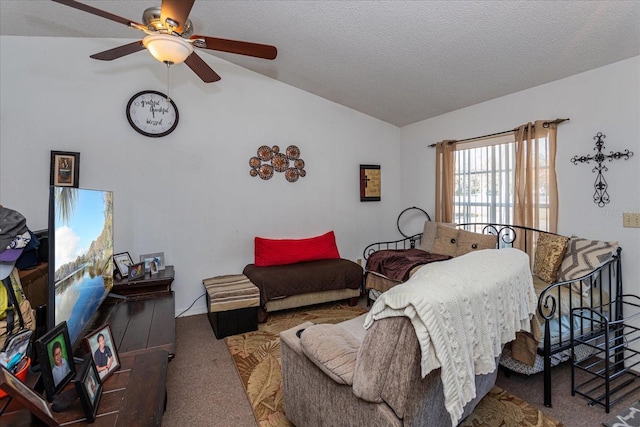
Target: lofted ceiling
398, 61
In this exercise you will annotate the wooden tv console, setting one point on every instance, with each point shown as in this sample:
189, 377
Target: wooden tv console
141, 324
143, 329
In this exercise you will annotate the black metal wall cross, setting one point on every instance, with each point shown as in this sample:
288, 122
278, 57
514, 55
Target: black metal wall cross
601, 197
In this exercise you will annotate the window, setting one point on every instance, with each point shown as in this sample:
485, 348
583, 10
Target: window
484, 177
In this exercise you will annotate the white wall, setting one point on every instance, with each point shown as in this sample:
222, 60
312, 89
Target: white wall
603, 100
189, 194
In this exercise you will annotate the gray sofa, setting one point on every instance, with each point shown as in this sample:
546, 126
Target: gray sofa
346, 375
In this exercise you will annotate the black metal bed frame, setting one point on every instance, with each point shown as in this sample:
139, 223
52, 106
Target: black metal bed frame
605, 283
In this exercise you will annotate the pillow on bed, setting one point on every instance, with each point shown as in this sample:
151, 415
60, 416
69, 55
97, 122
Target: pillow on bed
446, 241
270, 252
582, 257
469, 242
429, 234
550, 249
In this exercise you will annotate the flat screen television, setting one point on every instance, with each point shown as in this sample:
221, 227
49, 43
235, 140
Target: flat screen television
80, 256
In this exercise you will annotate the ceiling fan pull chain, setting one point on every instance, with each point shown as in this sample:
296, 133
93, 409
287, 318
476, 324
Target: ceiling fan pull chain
168, 81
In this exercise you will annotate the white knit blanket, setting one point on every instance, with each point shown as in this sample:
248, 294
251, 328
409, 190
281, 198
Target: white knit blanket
463, 311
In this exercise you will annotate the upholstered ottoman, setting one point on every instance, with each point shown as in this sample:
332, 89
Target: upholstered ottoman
232, 303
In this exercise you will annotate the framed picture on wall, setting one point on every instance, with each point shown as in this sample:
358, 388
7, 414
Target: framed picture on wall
370, 183
65, 169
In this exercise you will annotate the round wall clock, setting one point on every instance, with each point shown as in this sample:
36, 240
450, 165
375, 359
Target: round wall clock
150, 113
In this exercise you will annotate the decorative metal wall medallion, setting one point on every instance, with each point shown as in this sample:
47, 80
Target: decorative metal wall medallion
601, 196
274, 161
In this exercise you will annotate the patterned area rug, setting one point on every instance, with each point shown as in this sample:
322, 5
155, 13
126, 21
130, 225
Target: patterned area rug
257, 358
499, 408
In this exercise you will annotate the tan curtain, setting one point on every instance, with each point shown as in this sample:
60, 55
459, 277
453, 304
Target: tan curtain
535, 177
535, 174
445, 181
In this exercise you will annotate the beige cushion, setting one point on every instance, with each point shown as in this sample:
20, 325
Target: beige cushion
332, 349
468, 242
446, 242
429, 234
550, 249
582, 257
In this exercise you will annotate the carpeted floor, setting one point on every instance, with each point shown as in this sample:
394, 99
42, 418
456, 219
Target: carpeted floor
204, 388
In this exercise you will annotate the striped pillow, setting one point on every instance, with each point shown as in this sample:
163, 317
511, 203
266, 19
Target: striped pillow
583, 256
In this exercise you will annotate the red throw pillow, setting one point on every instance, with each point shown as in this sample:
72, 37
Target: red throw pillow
289, 251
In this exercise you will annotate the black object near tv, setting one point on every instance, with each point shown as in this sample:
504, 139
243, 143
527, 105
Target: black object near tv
80, 257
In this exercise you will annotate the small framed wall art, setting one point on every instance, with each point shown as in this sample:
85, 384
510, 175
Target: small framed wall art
65, 169
370, 183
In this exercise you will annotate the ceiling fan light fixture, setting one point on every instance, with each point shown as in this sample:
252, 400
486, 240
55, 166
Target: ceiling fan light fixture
168, 49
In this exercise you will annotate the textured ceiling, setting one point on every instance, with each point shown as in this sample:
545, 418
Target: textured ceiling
399, 61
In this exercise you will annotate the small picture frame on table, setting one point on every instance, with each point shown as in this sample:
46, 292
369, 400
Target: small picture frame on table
56, 359
28, 398
65, 169
136, 271
103, 350
122, 261
153, 267
157, 257
89, 388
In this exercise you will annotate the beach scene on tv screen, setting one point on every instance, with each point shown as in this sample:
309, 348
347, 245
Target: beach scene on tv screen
83, 254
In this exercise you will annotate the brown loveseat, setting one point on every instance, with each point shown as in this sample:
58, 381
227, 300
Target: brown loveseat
363, 377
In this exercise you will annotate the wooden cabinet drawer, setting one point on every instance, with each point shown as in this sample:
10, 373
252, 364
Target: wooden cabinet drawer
35, 283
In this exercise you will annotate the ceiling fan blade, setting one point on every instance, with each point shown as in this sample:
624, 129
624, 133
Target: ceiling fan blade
201, 68
101, 13
239, 47
120, 51
177, 10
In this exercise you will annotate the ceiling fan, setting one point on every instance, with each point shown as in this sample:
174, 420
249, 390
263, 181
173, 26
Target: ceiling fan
169, 38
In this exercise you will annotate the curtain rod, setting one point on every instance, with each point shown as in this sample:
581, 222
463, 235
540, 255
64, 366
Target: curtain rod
545, 124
